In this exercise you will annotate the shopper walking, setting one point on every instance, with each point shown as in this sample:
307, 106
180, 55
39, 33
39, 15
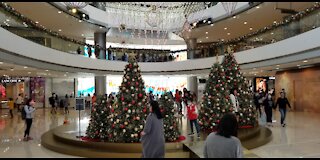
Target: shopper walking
282, 101
19, 101
66, 104
29, 109
193, 116
53, 103
178, 100
153, 141
11, 106
268, 105
224, 143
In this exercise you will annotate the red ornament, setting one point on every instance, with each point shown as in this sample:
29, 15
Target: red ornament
97, 132
126, 109
140, 95
112, 110
128, 83
162, 110
137, 83
144, 110
130, 65
121, 126
110, 135
112, 125
122, 98
133, 102
218, 121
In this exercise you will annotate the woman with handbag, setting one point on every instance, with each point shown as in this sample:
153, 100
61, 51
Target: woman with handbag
268, 105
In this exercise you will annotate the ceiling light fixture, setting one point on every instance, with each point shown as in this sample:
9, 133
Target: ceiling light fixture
206, 32
59, 12
29, 72
204, 21
209, 22
80, 21
228, 34
234, 16
47, 70
212, 25
245, 22
305, 61
274, 21
207, 37
298, 65
7, 20
11, 69
258, 7
278, 65
271, 33
225, 28
73, 10
1, 62
100, 27
82, 35
200, 41
37, 22
277, 68
60, 30
250, 28
25, 67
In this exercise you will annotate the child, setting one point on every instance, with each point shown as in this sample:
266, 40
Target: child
192, 115
11, 106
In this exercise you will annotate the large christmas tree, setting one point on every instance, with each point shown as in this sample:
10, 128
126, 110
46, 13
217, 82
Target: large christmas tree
170, 123
216, 101
127, 119
235, 79
98, 125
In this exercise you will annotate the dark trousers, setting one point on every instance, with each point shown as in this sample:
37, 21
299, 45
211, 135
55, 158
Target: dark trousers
27, 131
180, 107
283, 114
196, 124
11, 113
268, 111
258, 107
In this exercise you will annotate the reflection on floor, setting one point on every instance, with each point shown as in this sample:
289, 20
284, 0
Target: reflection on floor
300, 138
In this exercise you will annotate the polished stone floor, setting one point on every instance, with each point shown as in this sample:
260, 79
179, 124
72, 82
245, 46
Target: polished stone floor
300, 138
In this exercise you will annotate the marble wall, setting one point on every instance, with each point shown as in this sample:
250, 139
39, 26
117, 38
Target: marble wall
302, 87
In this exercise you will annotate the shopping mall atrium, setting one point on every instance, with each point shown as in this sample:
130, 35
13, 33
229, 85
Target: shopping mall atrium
86, 79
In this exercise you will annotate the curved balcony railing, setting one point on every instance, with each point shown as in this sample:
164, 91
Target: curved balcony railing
21, 26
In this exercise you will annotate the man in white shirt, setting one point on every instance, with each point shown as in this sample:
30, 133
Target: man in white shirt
234, 99
19, 101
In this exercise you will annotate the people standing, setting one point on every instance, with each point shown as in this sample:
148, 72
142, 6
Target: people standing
11, 106
66, 104
268, 105
234, 100
260, 101
193, 116
178, 100
282, 101
93, 99
19, 101
29, 109
88, 101
224, 143
152, 136
53, 103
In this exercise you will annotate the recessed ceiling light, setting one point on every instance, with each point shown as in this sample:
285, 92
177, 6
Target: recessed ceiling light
82, 35
206, 32
274, 21
204, 21
12, 69
1, 62
25, 67
65, 75
245, 22
254, 68
200, 41
74, 10
305, 61
250, 28
60, 30
228, 34
47, 70
195, 23
29, 72
255, 74
271, 33
7, 20
278, 65
234, 16
59, 12
37, 22
80, 20
207, 37
67, 72
212, 25
225, 28
277, 68
209, 22
222, 39
258, 7
298, 65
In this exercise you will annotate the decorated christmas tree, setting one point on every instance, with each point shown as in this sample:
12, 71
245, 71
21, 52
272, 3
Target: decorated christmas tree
98, 125
216, 101
235, 79
171, 128
128, 117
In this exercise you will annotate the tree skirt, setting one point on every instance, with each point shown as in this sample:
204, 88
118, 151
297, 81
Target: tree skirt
181, 138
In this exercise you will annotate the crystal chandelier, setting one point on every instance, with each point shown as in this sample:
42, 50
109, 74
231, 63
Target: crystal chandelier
76, 5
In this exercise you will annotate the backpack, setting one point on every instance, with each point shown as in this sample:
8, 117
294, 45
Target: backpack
23, 113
